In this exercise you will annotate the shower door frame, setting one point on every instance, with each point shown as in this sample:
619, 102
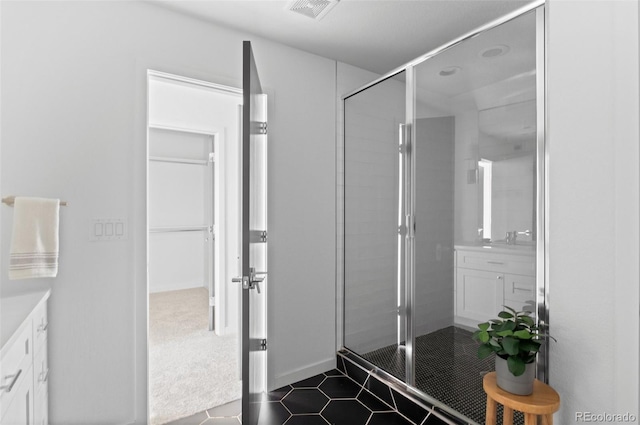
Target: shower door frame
408, 178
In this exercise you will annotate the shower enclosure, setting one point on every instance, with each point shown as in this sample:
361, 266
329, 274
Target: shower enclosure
443, 180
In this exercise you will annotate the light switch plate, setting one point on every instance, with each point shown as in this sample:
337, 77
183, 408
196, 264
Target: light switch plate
108, 229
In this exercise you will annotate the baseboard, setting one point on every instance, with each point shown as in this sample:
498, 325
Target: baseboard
303, 373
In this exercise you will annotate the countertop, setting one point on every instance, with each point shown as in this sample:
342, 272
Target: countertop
16, 309
498, 247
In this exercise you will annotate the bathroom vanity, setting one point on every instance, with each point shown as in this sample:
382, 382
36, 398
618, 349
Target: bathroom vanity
24, 369
490, 276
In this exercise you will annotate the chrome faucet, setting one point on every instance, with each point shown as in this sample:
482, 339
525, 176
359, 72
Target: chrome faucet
513, 235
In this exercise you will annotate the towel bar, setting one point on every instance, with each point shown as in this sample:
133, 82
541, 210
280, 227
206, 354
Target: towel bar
10, 200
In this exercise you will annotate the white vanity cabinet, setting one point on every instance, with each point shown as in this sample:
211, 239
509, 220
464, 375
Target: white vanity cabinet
488, 278
24, 368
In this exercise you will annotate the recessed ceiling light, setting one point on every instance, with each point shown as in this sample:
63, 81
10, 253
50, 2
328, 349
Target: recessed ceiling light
449, 71
495, 51
315, 9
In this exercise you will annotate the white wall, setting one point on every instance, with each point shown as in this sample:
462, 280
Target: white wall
74, 125
593, 203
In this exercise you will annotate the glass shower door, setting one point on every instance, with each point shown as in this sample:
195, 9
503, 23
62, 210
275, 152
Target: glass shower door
474, 151
444, 210
374, 231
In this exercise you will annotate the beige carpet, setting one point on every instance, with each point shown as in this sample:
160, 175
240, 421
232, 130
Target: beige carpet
190, 368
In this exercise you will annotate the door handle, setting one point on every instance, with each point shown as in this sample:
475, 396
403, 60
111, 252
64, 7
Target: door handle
249, 282
254, 281
243, 279
15, 377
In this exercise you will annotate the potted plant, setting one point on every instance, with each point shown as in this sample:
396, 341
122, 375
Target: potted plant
515, 340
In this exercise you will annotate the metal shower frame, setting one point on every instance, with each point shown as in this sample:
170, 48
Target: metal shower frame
542, 202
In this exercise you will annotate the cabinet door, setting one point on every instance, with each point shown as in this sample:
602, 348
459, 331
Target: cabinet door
479, 294
20, 409
520, 292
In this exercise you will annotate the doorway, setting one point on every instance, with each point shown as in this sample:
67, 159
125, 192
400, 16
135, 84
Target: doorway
193, 245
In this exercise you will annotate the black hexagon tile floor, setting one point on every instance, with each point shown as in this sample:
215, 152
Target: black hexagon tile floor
330, 398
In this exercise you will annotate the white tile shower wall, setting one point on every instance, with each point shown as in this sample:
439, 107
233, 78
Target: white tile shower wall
434, 150
349, 78
371, 219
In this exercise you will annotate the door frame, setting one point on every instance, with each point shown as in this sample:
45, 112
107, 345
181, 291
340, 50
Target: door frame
219, 142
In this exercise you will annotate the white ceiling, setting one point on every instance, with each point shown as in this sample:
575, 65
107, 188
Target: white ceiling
378, 35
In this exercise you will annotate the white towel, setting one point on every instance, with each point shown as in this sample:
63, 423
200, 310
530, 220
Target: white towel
34, 242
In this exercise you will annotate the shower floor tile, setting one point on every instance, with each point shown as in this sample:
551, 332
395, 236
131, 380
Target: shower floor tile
330, 398
447, 369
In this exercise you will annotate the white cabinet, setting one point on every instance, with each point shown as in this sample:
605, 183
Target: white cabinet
40, 366
24, 369
520, 292
487, 280
479, 294
19, 408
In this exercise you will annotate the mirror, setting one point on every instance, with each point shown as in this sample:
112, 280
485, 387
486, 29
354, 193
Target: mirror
506, 173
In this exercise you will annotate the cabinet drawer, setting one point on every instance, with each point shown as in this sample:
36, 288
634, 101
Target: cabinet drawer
18, 410
16, 366
519, 288
40, 328
500, 263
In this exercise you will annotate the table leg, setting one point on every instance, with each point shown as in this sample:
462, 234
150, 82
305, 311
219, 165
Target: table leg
547, 419
507, 416
491, 418
530, 419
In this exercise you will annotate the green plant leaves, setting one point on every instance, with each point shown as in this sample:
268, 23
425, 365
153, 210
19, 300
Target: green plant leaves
513, 336
510, 345
484, 351
495, 344
516, 365
528, 320
505, 315
515, 313
529, 345
522, 334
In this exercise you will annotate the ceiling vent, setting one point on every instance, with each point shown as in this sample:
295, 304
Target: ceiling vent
315, 9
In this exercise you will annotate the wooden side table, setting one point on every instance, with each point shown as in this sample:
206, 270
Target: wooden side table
544, 401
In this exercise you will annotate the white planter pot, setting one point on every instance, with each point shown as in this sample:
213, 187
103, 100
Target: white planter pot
520, 385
